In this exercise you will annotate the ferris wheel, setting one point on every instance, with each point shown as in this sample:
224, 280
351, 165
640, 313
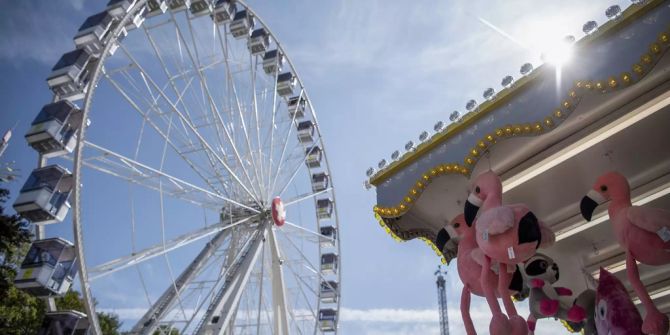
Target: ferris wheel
199, 181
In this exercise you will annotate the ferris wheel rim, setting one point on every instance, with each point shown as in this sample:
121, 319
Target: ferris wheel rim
78, 154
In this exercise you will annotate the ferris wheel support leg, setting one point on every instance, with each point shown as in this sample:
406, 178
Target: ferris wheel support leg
220, 313
278, 288
149, 322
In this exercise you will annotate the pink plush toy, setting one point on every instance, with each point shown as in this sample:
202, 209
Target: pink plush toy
508, 235
470, 271
615, 313
642, 231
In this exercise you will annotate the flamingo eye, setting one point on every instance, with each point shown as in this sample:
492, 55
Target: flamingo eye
603, 188
456, 225
477, 190
543, 265
601, 311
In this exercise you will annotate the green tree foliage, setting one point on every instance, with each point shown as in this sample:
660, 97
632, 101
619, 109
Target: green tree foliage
109, 323
21, 313
166, 330
14, 239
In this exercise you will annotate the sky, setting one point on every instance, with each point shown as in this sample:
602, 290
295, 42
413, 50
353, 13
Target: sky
378, 74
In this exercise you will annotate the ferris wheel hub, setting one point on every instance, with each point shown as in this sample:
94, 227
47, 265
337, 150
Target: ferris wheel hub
278, 212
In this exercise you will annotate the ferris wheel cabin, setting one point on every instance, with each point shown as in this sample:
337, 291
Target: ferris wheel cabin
242, 24
328, 320
44, 197
324, 208
272, 61
286, 83
314, 156
296, 107
319, 182
70, 75
94, 32
224, 11
48, 269
201, 7
329, 263
178, 5
119, 8
156, 7
328, 236
259, 41
64, 323
328, 292
306, 131
53, 132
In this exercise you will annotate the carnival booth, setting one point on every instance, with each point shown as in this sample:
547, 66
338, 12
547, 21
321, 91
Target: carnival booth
524, 179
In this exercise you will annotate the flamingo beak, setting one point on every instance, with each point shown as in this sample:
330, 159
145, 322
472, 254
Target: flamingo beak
442, 239
589, 203
471, 208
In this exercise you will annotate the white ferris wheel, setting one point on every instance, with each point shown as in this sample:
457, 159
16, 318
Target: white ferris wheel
187, 128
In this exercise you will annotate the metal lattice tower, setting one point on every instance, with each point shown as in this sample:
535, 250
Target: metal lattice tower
442, 300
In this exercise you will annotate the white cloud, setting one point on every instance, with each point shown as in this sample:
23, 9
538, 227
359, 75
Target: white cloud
28, 35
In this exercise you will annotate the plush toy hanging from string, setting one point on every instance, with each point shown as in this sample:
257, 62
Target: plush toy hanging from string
507, 235
643, 232
470, 271
540, 272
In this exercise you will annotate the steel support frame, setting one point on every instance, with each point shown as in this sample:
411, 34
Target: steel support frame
149, 322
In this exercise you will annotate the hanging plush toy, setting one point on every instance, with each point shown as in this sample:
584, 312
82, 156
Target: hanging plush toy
642, 231
507, 235
615, 313
540, 272
470, 271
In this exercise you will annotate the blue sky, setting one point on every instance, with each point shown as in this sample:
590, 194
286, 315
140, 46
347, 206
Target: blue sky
378, 73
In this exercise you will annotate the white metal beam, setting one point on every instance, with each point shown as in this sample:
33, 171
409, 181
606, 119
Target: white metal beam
220, 313
159, 249
279, 306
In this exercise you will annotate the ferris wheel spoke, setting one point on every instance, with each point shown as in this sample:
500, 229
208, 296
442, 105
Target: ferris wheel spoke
218, 120
293, 175
151, 102
202, 141
117, 165
236, 98
184, 106
299, 278
272, 133
160, 248
304, 197
195, 60
283, 152
181, 152
253, 63
306, 230
309, 264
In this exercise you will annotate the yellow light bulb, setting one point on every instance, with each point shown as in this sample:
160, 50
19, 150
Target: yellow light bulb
558, 113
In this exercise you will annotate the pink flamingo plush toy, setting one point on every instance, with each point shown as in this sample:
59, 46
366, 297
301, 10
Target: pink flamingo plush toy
508, 235
470, 271
615, 313
642, 231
